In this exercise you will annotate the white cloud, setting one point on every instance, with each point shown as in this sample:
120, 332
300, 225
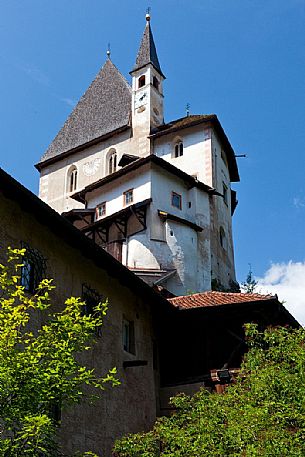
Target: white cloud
287, 280
298, 202
35, 74
69, 101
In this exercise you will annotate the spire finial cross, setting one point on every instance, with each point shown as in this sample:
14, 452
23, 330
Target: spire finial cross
187, 108
148, 14
108, 51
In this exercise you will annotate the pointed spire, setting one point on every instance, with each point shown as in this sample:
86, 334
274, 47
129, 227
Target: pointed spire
147, 52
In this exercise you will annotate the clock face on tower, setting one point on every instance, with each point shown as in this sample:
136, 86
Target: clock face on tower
141, 98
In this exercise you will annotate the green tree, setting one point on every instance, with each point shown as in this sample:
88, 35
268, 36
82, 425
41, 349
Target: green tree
263, 414
39, 364
250, 284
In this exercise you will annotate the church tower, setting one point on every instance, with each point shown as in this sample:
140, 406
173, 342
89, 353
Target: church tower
147, 91
155, 195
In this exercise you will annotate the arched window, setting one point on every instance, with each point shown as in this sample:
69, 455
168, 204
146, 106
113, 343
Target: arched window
178, 149
112, 162
222, 238
156, 83
141, 81
72, 179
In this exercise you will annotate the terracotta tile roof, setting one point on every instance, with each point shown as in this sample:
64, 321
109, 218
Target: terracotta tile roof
211, 299
105, 107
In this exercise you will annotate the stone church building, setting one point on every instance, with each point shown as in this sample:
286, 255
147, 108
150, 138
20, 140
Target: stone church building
156, 195
139, 211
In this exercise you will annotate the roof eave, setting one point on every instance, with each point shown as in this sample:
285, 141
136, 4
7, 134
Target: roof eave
61, 227
80, 196
145, 65
40, 165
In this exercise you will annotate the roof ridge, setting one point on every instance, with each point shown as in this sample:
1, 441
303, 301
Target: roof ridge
103, 108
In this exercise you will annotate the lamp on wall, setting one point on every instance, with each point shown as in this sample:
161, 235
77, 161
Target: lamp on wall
224, 376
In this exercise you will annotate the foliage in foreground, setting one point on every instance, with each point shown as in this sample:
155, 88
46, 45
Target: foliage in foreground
263, 414
39, 368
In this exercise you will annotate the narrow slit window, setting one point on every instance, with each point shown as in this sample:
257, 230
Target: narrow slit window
128, 336
225, 193
222, 238
112, 162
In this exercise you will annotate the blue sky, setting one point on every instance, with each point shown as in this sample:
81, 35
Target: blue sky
241, 59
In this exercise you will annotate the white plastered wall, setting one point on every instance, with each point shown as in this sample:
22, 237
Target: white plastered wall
91, 164
223, 257
171, 244
196, 158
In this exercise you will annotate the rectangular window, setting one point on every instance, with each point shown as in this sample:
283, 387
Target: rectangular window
128, 336
101, 210
128, 197
176, 200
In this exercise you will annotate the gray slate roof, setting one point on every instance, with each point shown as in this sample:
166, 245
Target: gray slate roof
104, 107
147, 52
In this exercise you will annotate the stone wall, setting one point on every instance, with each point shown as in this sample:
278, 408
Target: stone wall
130, 407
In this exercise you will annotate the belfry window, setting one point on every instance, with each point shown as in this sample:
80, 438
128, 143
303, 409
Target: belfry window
141, 81
72, 179
178, 150
112, 162
156, 83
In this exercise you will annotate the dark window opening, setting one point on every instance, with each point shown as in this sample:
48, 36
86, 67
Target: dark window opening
176, 200
55, 411
141, 82
112, 164
178, 152
72, 180
190, 204
155, 83
222, 238
128, 336
225, 193
33, 269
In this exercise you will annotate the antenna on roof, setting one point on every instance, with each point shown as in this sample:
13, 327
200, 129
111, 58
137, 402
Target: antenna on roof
108, 51
148, 14
187, 108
